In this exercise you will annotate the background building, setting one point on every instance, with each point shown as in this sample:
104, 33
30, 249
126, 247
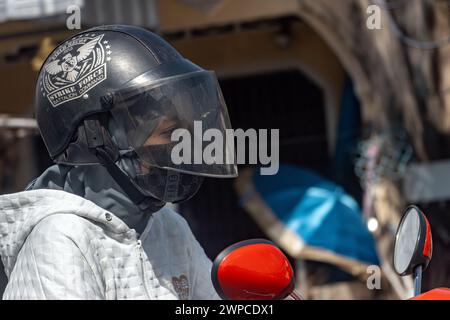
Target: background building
335, 88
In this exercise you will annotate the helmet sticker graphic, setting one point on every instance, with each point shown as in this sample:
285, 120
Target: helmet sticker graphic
75, 68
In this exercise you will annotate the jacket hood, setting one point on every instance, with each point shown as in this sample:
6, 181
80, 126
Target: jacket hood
94, 183
21, 212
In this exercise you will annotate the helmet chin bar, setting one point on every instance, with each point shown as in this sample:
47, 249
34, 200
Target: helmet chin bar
96, 136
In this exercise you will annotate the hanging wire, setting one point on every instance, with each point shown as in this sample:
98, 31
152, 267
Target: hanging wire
394, 153
396, 4
399, 4
407, 40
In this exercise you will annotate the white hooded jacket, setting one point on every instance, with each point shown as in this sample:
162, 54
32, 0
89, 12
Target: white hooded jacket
57, 245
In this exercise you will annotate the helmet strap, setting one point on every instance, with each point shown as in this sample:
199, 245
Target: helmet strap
96, 143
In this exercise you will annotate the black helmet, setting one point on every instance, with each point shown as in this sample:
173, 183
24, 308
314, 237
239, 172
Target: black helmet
103, 96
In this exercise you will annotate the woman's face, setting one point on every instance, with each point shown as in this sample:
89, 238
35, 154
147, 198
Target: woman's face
160, 136
163, 132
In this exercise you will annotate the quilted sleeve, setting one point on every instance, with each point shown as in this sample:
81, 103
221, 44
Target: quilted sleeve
203, 288
51, 266
200, 266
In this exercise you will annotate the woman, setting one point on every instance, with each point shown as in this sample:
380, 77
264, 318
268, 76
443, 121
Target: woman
109, 102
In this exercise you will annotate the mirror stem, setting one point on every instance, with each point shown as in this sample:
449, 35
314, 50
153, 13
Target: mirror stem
418, 280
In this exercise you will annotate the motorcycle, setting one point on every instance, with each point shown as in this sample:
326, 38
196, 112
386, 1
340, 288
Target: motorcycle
257, 269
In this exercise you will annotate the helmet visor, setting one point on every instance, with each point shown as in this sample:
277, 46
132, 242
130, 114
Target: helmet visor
178, 123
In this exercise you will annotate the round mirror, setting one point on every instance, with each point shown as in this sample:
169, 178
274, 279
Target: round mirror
412, 242
252, 270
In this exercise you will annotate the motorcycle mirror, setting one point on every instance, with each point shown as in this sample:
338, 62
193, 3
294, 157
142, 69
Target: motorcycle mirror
252, 270
413, 242
413, 246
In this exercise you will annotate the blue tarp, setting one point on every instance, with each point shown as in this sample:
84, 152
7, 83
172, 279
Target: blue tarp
318, 211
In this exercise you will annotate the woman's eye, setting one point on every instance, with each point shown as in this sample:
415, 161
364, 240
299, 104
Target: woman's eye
168, 132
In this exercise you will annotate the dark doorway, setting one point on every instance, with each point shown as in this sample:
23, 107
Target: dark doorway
285, 100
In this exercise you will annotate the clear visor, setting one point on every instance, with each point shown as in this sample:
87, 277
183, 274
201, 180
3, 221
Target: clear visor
178, 123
